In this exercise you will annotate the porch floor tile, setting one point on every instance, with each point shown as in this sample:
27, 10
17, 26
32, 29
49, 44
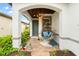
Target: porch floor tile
38, 49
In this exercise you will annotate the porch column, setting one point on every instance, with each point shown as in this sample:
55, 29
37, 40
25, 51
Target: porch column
30, 28
16, 33
40, 26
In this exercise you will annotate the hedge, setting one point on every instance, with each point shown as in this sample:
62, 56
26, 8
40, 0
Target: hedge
6, 45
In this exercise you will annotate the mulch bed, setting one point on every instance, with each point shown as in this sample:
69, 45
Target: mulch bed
19, 53
62, 53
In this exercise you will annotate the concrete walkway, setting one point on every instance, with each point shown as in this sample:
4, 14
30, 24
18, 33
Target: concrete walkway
38, 49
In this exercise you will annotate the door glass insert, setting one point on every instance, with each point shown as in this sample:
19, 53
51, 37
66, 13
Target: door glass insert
47, 23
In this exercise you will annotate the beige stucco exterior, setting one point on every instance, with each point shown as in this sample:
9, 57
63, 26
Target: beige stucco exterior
6, 25
23, 25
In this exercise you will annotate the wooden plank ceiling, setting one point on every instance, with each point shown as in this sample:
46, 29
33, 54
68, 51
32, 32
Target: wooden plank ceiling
34, 12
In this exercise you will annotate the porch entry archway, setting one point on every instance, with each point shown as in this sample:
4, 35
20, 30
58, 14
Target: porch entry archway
25, 12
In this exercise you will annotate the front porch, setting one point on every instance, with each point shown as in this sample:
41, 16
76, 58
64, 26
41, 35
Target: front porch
40, 50
61, 25
44, 20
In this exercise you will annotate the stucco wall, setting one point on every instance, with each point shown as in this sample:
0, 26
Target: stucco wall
5, 26
23, 25
74, 21
55, 22
71, 29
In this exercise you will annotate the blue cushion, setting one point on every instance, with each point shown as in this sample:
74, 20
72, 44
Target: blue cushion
46, 34
49, 34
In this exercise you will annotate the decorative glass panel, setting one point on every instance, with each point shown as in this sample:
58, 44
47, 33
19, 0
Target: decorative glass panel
47, 23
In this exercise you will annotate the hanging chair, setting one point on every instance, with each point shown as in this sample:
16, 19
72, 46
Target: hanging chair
48, 39
47, 35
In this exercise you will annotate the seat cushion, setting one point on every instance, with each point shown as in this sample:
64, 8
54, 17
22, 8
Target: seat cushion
47, 34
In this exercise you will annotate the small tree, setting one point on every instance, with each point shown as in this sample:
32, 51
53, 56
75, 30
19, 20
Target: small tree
25, 36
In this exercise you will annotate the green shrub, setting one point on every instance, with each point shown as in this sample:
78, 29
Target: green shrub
24, 53
25, 36
65, 51
53, 53
5, 40
6, 45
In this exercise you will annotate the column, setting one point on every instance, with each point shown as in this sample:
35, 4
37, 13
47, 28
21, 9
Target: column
30, 28
40, 26
16, 33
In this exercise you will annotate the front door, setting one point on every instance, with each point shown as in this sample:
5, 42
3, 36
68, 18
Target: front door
35, 27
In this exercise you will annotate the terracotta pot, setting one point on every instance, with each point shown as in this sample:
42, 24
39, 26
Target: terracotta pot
24, 48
